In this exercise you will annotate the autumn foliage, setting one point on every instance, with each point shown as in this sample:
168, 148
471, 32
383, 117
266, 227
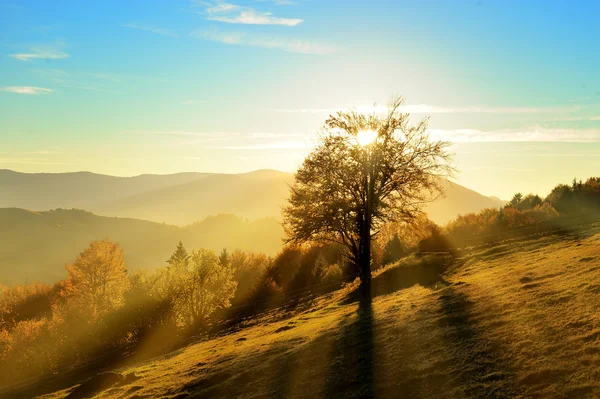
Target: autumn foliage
102, 309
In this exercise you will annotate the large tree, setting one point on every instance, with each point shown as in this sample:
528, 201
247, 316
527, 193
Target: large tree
366, 170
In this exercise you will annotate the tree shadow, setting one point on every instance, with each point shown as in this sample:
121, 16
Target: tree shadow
424, 270
482, 370
351, 373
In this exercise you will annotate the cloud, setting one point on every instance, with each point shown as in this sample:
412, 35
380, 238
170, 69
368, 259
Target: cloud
43, 152
159, 31
28, 161
427, 109
233, 14
535, 134
40, 54
219, 140
285, 145
251, 17
30, 90
279, 2
236, 135
220, 8
99, 82
193, 102
276, 43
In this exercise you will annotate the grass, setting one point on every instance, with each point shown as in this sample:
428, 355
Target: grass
518, 320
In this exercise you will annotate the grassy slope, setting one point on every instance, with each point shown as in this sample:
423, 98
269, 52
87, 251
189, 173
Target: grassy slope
512, 320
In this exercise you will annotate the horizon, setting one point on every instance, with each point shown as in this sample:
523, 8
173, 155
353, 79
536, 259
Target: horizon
231, 87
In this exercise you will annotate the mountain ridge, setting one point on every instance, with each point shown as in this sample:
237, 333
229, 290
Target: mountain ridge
185, 197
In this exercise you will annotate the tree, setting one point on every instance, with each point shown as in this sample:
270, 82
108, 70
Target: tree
180, 257
210, 287
562, 198
366, 170
98, 277
515, 201
224, 257
393, 251
530, 201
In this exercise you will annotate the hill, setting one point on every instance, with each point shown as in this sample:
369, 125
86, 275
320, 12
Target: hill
183, 198
518, 319
82, 190
35, 246
254, 195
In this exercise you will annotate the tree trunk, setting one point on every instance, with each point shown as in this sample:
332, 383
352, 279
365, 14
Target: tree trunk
365, 232
364, 266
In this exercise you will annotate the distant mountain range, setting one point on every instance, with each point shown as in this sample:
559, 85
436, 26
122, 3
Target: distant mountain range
184, 198
145, 214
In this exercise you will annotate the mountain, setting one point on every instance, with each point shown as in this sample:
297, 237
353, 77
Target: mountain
37, 245
253, 195
133, 211
183, 198
458, 200
84, 190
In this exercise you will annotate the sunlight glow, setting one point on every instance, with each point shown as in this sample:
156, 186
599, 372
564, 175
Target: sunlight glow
366, 137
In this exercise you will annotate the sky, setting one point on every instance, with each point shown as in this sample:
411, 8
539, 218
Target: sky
127, 88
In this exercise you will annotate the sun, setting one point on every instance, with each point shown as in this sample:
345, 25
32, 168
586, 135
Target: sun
366, 137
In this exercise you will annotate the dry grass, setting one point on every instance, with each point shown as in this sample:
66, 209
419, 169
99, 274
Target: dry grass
518, 320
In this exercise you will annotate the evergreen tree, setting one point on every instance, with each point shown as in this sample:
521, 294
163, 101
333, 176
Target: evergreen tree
180, 257
224, 257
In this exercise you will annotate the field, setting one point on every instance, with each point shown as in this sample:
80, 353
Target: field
519, 319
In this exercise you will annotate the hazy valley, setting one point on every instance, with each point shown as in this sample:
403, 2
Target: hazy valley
149, 214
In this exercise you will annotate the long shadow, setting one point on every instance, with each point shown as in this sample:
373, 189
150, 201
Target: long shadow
351, 373
351, 369
482, 371
424, 270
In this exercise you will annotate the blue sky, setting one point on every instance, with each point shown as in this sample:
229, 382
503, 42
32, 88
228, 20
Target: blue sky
165, 86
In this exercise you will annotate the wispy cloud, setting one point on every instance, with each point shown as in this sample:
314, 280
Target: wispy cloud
212, 134
99, 82
220, 140
29, 90
428, 109
43, 152
221, 8
252, 17
234, 14
276, 43
28, 161
40, 54
535, 134
285, 145
193, 102
159, 31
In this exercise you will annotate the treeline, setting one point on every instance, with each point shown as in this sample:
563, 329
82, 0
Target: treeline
565, 202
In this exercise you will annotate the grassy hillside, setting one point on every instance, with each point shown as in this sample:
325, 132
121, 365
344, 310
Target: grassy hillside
35, 246
514, 320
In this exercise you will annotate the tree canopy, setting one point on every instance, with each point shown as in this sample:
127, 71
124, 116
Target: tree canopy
366, 170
